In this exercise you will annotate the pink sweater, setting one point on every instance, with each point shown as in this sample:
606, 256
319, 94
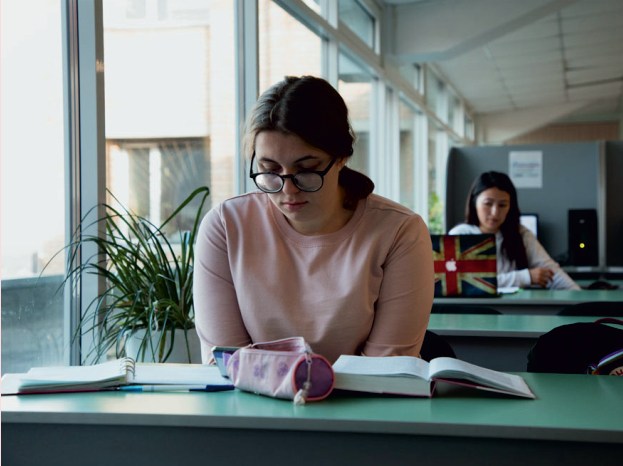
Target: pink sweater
365, 289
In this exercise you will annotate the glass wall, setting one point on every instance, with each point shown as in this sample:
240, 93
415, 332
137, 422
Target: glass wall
357, 18
33, 184
408, 137
355, 86
286, 47
169, 87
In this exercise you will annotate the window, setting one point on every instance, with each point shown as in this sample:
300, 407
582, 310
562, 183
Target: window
170, 93
355, 86
470, 132
313, 4
413, 161
436, 96
153, 178
438, 147
358, 19
286, 46
414, 75
33, 185
455, 115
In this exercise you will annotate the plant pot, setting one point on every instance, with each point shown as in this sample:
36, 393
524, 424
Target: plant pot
186, 347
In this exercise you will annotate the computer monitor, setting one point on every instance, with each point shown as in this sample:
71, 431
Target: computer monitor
531, 222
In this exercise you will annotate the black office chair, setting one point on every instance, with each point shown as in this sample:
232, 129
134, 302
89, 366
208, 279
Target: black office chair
594, 308
574, 348
462, 309
435, 346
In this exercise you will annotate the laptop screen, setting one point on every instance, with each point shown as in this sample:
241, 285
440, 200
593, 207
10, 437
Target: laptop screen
531, 222
465, 265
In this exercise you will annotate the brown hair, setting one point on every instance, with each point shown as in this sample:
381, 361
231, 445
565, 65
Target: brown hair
310, 108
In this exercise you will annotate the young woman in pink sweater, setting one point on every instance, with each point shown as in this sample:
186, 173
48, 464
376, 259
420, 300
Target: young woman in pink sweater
313, 253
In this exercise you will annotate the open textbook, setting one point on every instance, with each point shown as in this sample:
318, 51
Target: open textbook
408, 375
111, 374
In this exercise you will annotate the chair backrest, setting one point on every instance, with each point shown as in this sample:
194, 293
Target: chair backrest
574, 348
435, 346
594, 308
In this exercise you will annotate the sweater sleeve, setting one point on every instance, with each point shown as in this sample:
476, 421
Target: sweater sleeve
217, 315
520, 278
405, 298
538, 257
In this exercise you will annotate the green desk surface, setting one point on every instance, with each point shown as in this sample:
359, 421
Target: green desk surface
568, 407
502, 325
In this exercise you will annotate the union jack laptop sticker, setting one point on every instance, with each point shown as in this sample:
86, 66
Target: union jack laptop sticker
465, 265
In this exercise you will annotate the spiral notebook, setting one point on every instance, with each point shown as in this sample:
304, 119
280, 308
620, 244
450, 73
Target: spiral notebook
109, 375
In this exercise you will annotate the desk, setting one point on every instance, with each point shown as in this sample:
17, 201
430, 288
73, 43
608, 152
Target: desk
575, 420
499, 342
536, 302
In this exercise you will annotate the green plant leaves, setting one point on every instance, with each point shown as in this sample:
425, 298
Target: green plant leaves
147, 277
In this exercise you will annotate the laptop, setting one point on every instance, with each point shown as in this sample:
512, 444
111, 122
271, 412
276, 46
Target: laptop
465, 265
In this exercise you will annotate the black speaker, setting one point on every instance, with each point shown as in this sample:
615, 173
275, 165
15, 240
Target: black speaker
583, 242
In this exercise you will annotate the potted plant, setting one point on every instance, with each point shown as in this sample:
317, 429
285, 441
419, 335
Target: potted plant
147, 297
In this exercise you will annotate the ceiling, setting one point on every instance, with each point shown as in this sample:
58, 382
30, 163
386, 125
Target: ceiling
519, 65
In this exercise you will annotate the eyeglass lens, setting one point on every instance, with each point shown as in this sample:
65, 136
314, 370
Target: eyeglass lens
271, 182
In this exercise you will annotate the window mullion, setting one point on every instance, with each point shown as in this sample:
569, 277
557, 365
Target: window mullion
86, 151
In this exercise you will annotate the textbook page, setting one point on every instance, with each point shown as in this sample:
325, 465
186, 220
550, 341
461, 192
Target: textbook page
450, 368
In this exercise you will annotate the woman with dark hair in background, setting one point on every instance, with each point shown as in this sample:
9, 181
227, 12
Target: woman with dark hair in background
492, 207
313, 253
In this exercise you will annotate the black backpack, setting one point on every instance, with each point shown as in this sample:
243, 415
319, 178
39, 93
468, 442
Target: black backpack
578, 348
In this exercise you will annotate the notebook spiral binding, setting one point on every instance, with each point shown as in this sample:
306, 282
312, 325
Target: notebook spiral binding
128, 365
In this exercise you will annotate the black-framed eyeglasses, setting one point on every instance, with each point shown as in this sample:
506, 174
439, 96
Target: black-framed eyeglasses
308, 181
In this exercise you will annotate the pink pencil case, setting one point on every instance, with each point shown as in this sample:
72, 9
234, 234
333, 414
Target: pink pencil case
284, 368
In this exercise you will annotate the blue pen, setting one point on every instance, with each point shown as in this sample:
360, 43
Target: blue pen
213, 388
175, 388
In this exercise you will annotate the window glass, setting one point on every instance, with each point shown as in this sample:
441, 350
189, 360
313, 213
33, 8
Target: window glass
433, 92
437, 162
407, 123
170, 103
286, 46
452, 112
358, 19
313, 4
469, 127
413, 74
355, 86
33, 185
455, 114
433, 197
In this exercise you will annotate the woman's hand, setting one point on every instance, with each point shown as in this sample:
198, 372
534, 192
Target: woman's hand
541, 276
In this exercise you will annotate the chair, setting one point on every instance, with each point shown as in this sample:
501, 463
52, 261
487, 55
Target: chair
462, 309
594, 308
574, 348
435, 346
